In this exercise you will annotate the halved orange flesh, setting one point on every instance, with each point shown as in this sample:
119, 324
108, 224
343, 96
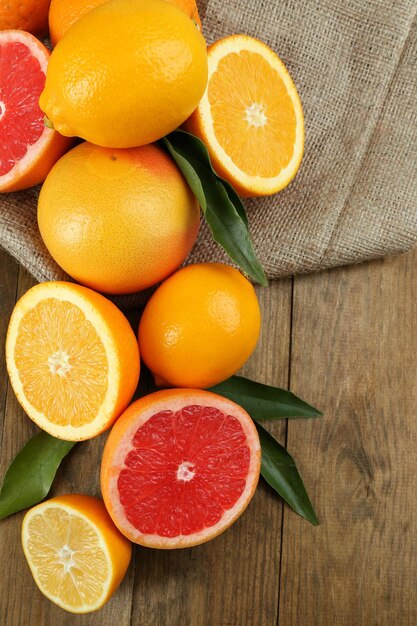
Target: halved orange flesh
72, 358
250, 116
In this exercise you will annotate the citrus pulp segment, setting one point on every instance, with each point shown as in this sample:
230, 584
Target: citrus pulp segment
179, 467
250, 116
72, 359
27, 148
76, 555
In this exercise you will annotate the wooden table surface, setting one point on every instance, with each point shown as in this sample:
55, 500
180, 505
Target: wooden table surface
345, 341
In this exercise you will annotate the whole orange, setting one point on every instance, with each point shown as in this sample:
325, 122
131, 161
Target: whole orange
117, 221
200, 326
191, 9
29, 15
64, 13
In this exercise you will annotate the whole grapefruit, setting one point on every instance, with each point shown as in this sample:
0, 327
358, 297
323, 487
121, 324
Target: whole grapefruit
29, 15
117, 221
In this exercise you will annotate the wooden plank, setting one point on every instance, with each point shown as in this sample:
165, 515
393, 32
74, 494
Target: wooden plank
8, 287
20, 601
354, 355
232, 580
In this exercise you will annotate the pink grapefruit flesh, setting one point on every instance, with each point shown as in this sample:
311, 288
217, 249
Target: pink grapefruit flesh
27, 148
179, 467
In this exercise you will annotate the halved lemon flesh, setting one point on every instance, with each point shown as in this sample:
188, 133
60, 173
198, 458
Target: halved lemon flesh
76, 555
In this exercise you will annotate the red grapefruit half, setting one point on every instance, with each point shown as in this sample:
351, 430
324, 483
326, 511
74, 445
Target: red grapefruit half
179, 467
28, 149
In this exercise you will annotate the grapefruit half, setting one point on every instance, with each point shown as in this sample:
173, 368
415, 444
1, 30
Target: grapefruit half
179, 467
28, 149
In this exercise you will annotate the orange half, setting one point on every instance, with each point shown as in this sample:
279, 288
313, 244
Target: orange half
250, 117
72, 358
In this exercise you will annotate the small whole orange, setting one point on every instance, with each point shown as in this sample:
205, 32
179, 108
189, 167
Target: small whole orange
200, 326
29, 15
117, 221
64, 13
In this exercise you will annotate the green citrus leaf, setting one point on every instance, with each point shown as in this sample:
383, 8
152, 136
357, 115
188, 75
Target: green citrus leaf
31, 473
264, 402
280, 471
222, 207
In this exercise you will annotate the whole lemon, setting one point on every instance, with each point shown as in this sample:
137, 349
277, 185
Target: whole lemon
117, 221
200, 326
126, 74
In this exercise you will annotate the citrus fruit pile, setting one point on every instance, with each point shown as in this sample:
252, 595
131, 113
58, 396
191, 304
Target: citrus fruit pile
180, 465
116, 213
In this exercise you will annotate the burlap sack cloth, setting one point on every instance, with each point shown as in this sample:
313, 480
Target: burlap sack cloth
355, 196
